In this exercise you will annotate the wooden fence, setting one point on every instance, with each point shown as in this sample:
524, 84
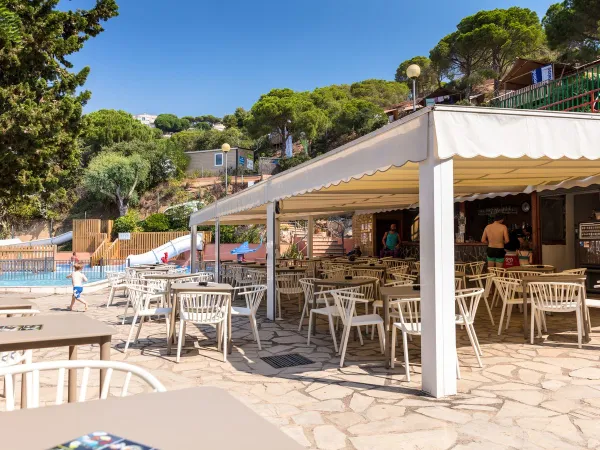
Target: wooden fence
88, 234
40, 252
144, 242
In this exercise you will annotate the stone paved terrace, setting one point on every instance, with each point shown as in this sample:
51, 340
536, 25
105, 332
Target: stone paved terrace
543, 396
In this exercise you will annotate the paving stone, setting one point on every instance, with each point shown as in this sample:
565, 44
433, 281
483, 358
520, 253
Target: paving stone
532, 398
552, 385
408, 423
415, 402
432, 440
380, 412
360, 403
529, 376
512, 409
297, 434
346, 419
590, 373
447, 414
329, 437
476, 408
308, 418
502, 369
332, 391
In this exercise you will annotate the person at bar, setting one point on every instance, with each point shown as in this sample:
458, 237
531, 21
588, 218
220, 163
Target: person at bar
391, 242
496, 237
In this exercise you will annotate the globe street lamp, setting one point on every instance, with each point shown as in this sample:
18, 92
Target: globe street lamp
225, 148
413, 71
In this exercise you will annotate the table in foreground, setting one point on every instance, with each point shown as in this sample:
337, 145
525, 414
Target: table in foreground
59, 330
16, 303
392, 293
202, 417
195, 287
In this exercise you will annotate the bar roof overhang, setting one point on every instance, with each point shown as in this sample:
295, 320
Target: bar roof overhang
496, 152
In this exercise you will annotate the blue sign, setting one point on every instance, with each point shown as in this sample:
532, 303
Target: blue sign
542, 74
242, 160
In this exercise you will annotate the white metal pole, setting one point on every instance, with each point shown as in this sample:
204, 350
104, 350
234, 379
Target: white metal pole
436, 211
271, 297
217, 250
309, 236
194, 249
225, 173
414, 94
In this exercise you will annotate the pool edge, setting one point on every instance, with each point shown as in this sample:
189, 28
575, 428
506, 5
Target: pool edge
91, 287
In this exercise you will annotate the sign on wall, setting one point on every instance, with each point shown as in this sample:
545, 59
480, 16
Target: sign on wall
242, 161
542, 74
124, 236
250, 164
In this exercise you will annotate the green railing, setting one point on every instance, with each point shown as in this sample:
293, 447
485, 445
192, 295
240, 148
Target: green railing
578, 92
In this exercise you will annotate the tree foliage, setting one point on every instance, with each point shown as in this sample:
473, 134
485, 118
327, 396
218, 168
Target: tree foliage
573, 27
429, 80
116, 178
170, 123
106, 127
41, 99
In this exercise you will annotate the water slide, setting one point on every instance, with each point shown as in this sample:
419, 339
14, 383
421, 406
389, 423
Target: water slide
172, 248
58, 240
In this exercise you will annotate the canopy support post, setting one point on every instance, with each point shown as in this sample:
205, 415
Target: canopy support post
436, 211
271, 243
309, 237
194, 249
217, 250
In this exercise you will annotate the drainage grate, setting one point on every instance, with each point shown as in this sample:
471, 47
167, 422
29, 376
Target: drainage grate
289, 360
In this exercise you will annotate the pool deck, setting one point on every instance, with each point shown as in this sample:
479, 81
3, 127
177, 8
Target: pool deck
542, 396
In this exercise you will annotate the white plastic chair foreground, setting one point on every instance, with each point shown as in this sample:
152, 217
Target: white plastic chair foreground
32, 379
253, 295
467, 301
117, 282
209, 308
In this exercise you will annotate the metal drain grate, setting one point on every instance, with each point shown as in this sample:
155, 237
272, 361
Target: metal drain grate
289, 360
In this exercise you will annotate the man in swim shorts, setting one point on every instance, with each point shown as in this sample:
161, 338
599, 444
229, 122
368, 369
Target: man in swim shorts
495, 236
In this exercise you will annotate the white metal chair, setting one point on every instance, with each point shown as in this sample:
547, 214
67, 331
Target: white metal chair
141, 298
288, 285
555, 297
408, 278
308, 287
345, 302
329, 310
484, 281
510, 292
117, 282
467, 301
334, 274
408, 311
475, 268
580, 271
458, 283
253, 295
257, 277
155, 288
32, 379
208, 308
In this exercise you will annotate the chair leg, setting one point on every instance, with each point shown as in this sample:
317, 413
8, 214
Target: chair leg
255, 328
225, 341
579, 326
476, 340
125, 313
540, 320
137, 335
532, 324
332, 331
381, 338
508, 316
344, 344
130, 332
393, 350
360, 336
180, 339
310, 321
501, 318
457, 368
487, 305
470, 334
406, 366
219, 335
110, 296
304, 310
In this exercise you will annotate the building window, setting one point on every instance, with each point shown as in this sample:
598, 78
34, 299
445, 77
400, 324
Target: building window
218, 159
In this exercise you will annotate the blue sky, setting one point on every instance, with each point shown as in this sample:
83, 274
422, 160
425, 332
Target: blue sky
193, 57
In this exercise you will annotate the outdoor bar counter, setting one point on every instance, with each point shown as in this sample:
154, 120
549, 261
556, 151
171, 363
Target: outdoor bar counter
463, 251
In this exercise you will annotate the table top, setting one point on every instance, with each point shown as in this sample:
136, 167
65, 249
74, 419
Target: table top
153, 269
352, 282
167, 276
369, 267
201, 417
399, 291
194, 287
16, 303
57, 330
530, 269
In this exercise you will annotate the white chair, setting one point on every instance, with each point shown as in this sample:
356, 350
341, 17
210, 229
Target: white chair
467, 301
258, 277
117, 282
408, 278
458, 283
334, 274
32, 379
510, 292
475, 268
345, 302
555, 297
288, 285
208, 308
155, 288
308, 287
253, 295
580, 271
328, 310
484, 281
141, 298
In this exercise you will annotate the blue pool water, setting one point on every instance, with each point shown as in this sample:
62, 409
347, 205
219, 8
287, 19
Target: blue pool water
55, 278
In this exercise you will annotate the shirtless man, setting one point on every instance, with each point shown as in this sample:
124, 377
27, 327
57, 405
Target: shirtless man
495, 236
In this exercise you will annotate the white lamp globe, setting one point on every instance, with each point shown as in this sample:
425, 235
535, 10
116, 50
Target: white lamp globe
413, 71
225, 147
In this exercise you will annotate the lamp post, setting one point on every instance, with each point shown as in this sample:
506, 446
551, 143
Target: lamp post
225, 148
413, 71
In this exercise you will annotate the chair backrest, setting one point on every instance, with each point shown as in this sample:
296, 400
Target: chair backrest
520, 274
460, 267
375, 273
406, 278
458, 283
399, 283
204, 307
485, 281
409, 313
398, 270
475, 268
32, 379
257, 276
555, 296
345, 303
580, 271
253, 295
370, 291
507, 287
467, 301
497, 271
115, 278
178, 270
140, 296
334, 274
308, 287
416, 266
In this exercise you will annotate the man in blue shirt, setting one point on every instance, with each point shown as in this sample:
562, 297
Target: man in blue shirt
391, 242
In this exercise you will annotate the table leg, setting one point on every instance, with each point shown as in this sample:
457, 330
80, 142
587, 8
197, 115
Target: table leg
386, 322
229, 333
172, 317
104, 356
72, 396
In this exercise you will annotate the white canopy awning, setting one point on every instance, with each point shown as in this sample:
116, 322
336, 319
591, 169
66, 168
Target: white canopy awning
495, 151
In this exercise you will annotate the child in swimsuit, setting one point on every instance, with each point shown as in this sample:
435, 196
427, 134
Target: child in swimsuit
78, 278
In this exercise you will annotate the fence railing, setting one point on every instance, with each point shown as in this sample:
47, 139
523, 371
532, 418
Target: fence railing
50, 269
579, 92
16, 252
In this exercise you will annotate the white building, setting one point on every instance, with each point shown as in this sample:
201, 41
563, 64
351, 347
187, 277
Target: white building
146, 119
219, 127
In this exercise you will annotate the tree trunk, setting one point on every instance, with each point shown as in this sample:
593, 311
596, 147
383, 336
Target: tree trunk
122, 204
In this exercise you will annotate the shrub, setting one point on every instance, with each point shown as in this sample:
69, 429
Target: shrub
128, 223
179, 217
156, 222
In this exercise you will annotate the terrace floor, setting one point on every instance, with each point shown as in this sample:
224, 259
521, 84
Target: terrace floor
542, 396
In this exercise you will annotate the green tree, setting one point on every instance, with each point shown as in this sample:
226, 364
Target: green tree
10, 25
170, 123
156, 223
106, 127
573, 27
360, 117
116, 178
230, 121
380, 92
503, 34
41, 97
429, 80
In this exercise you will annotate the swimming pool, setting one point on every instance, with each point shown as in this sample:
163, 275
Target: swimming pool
54, 278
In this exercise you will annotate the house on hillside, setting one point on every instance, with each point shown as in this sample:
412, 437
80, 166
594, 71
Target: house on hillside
213, 161
146, 119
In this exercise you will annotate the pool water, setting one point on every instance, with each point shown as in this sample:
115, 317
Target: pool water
56, 278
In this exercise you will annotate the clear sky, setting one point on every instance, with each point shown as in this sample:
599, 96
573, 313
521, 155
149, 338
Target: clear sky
193, 57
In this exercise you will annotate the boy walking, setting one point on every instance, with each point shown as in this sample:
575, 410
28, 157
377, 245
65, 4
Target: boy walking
78, 278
